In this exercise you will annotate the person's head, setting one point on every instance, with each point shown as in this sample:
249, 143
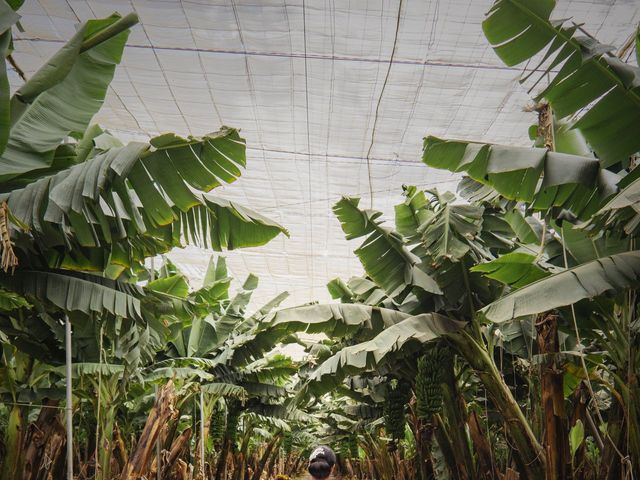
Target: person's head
321, 462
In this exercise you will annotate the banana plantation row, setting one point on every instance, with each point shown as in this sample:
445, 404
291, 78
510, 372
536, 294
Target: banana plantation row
494, 335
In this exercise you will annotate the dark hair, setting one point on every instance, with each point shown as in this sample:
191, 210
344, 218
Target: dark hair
321, 462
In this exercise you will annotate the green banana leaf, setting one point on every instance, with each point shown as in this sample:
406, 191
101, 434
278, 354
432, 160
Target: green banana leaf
589, 76
62, 97
384, 256
88, 294
446, 234
515, 269
392, 343
220, 389
622, 211
607, 274
334, 320
542, 178
143, 194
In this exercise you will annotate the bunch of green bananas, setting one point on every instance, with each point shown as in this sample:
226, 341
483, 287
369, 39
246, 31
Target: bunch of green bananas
395, 403
428, 383
218, 422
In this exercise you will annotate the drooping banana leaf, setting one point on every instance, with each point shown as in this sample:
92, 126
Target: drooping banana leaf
384, 256
216, 271
187, 373
588, 74
477, 192
215, 290
265, 391
339, 289
623, 210
63, 96
220, 389
269, 306
227, 225
91, 369
8, 16
358, 290
136, 343
442, 227
608, 274
391, 344
83, 293
334, 320
144, 194
571, 182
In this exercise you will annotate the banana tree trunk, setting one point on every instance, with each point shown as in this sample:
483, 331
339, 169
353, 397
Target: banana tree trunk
181, 472
243, 454
610, 465
160, 414
120, 454
529, 454
455, 413
579, 402
106, 447
221, 466
423, 433
446, 447
426, 462
53, 454
13, 442
265, 457
16, 426
178, 446
483, 448
556, 435
43, 443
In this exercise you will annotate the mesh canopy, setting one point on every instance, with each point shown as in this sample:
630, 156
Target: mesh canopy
311, 86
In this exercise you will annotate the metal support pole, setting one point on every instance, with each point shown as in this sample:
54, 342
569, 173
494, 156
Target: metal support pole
152, 275
158, 446
69, 405
202, 433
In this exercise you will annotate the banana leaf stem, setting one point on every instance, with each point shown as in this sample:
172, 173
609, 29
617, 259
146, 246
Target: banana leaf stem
111, 31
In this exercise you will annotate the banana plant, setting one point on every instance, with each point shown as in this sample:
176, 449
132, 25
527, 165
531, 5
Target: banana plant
200, 356
80, 211
594, 185
511, 263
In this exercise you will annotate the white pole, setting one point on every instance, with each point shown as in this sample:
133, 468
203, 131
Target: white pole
158, 446
69, 406
201, 433
152, 275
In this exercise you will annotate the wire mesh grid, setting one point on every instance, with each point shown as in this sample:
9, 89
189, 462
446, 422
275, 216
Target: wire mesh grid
303, 80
